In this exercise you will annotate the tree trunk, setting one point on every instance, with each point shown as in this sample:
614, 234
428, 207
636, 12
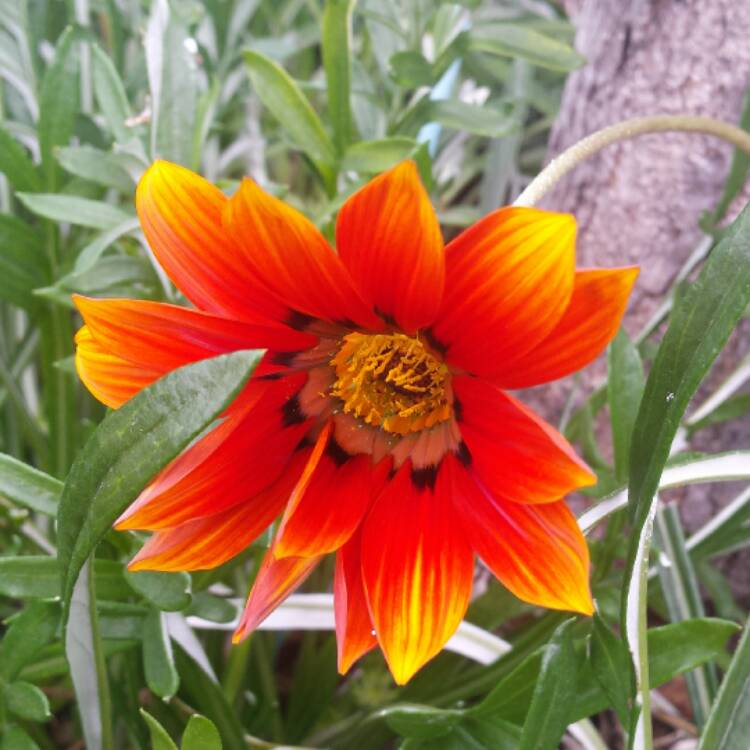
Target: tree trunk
640, 201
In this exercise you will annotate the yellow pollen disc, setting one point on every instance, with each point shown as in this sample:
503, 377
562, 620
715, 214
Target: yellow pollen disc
391, 381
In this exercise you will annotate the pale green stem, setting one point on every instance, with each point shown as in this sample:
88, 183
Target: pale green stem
622, 131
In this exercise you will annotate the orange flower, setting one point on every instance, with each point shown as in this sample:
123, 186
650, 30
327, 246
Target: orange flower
376, 426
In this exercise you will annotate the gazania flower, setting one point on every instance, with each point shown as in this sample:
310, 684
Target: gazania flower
378, 426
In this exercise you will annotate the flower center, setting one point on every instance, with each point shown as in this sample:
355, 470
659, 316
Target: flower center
391, 381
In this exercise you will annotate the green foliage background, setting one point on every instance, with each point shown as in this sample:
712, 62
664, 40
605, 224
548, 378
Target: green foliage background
313, 98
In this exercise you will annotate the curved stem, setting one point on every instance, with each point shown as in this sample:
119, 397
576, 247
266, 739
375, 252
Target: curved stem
595, 142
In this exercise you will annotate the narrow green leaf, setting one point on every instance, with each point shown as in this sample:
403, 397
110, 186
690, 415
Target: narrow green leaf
158, 661
27, 701
679, 585
550, 705
173, 80
58, 104
208, 698
471, 733
211, 607
701, 323
624, 391
22, 262
29, 487
286, 102
410, 69
38, 577
14, 738
372, 157
336, 44
95, 165
110, 94
90, 254
420, 722
487, 120
201, 734
27, 633
16, 164
514, 40
160, 739
611, 666
728, 725
71, 209
169, 592
133, 443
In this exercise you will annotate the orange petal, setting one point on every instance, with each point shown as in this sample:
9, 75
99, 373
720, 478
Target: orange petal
600, 296
388, 236
537, 551
417, 569
291, 257
515, 453
322, 515
111, 379
355, 635
209, 542
276, 579
240, 457
168, 336
509, 279
181, 216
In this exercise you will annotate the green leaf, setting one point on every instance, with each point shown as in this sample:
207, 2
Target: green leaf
373, 157
71, 209
611, 665
110, 94
624, 391
210, 607
96, 166
201, 734
167, 591
550, 705
158, 661
410, 69
336, 45
173, 80
27, 701
58, 105
16, 164
701, 323
472, 733
486, 120
209, 699
22, 262
90, 254
514, 40
27, 633
160, 740
419, 722
38, 577
133, 443
286, 102
14, 738
29, 487
728, 725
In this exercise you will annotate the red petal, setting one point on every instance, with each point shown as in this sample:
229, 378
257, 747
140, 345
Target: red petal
599, 299
354, 631
515, 453
276, 579
230, 465
111, 379
292, 258
168, 336
211, 541
417, 570
181, 216
388, 236
537, 551
509, 281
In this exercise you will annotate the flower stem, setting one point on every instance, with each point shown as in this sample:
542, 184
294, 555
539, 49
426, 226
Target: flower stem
622, 131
